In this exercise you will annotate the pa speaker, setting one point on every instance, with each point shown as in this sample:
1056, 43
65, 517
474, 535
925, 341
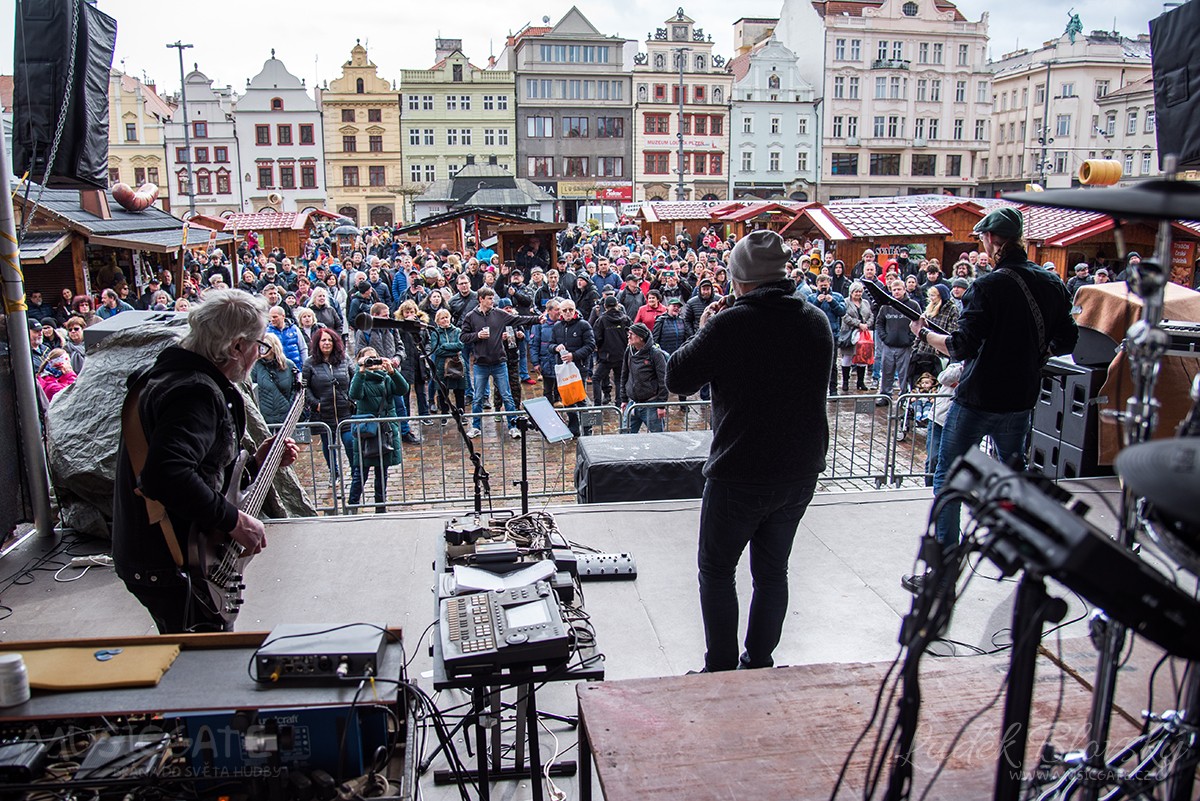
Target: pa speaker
45, 67
1176, 71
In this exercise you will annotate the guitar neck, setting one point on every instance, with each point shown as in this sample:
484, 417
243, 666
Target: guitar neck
256, 493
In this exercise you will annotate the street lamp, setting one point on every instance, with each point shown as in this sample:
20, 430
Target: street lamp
187, 139
681, 57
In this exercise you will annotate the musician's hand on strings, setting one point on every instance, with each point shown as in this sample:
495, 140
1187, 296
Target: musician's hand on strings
916, 325
290, 451
249, 533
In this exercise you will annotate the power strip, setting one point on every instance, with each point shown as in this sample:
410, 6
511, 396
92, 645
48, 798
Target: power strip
92, 560
607, 567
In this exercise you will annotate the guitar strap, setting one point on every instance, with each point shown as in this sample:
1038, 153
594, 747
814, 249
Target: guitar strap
137, 449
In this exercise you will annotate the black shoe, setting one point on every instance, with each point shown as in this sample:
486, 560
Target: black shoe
881, 402
914, 583
411, 438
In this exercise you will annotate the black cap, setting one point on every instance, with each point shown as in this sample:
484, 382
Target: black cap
363, 286
35, 325
641, 330
610, 301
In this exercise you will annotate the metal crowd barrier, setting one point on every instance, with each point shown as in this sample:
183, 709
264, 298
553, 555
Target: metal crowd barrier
910, 463
688, 415
310, 467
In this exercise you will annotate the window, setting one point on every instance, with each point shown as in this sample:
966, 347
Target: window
489, 136
897, 51
262, 134
347, 115
983, 168
964, 55
430, 173
937, 53
201, 155
922, 89
909, 9
1149, 120
1145, 162
839, 88
610, 127
954, 165
836, 128
1131, 122
716, 163
502, 102
414, 104
610, 166
923, 53
451, 136
880, 88
773, 160
152, 175
960, 91
851, 126
287, 176
716, 125
1060, 161
802, 161
1024, 96
839, 49
1062, 125
200, 130
464, 102
203, 182
541, 166
698, 94
374, 115
414, 136
844, 164
308, 176
306, 135
980, 130
1110, 124
958, 130
575, 167
882, 53
575, 127
775, 125
802, 128
895, 126
375, 144
1000, 134
426, 102
1039, 94
657, 163
856, 49
221, 155
747, 125
853, 94
266, 176
284, 134
456, 73
1068, 89
539, 127
747, 161
660, 93
349, 144
700, 125
377, 175
465, 136
896, 88
414, 173
919, 128
451, 102
880, 126
933, 127
924, 164
489, 102
1101, 89
885, 164
981, 93
131, 132
180, 176
427, 136
277, 103
502, 136
223, 187
935, 90
349, 176
139, 175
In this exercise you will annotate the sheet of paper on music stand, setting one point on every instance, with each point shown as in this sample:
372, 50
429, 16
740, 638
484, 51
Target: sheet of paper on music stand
472, 579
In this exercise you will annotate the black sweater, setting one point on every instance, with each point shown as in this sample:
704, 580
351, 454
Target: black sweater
768, 359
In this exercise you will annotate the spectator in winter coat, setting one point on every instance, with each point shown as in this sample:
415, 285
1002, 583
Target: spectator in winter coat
893, 343
671, 330
648, 314
55, 373
541, 344
327, 388
327, 314
574, 342
586, 296
610, 330
274, 377
294, 346
705, 294
833, 306
632, 297
644, 373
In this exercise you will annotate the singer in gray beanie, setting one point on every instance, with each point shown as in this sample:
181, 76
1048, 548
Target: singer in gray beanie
758, 258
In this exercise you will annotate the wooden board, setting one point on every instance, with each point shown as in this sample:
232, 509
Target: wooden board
784, 733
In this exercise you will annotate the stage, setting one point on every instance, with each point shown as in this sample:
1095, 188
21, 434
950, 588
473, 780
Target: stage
846, 606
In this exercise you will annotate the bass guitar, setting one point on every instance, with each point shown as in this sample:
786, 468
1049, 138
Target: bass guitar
214, 562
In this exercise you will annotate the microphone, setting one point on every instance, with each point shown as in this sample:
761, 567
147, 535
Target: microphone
365, 322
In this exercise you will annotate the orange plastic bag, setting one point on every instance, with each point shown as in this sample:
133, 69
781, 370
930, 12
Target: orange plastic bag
570, 384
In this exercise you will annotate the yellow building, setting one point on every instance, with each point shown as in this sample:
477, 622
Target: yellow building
136, 119
361, 114
454, 110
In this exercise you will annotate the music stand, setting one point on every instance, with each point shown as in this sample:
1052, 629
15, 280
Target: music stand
545, 418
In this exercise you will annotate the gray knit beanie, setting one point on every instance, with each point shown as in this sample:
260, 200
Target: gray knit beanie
759, 258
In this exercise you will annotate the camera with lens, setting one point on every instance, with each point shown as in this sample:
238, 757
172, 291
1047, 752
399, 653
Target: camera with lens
372, 362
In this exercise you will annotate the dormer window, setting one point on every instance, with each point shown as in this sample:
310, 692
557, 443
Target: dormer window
457, 72
276, 104
359, 86
909, 9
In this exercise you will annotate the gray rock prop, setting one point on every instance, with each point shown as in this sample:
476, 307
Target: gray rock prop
83, 426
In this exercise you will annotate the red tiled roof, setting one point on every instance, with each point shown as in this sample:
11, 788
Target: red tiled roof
875, 220
519, 35
1139, 85
755, 209
1043, 223
854, 8
274, 220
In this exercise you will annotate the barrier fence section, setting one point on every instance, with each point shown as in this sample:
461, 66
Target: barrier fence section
909, 439
681, 415
310, 467
438, 471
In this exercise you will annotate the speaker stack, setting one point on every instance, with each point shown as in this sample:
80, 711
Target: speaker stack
1065, 442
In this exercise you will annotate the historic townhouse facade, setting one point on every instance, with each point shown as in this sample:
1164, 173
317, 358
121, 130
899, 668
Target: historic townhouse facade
704, 123
214, 158
454, 110
137, 119
361, 115
774, 140
282, 153
1127, 119
574, 112
1058, 93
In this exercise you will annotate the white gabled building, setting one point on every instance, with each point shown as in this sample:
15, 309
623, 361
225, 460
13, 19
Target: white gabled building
279, 129
774, 130
214, 150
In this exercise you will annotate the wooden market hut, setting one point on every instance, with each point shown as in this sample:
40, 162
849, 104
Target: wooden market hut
850, 227
742, 218
666, 218
511, 237
82, 240
289, 230
451, 229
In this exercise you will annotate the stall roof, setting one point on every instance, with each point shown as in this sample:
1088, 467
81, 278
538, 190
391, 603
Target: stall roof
275, 220
168, 240
1046, 223
466, 211
750, 211
672, 210
824, 222
878, 220
62, 205
39, 247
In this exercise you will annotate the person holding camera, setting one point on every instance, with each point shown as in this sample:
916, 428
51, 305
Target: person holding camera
376, 385
833, 306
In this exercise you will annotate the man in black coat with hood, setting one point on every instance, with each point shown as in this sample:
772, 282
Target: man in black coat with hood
767, 357
611, 330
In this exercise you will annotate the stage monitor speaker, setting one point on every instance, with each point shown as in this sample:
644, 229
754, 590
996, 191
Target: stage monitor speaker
42, 65
1176, 71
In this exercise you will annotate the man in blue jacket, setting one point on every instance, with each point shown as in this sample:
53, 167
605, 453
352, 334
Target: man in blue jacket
833, 306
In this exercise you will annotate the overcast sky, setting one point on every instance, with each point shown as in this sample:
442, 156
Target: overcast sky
232, 38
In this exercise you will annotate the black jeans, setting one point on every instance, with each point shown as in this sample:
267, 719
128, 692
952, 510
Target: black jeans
168, 606
733, 515
602, 388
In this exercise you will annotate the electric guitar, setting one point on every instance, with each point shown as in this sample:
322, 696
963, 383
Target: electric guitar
214, 562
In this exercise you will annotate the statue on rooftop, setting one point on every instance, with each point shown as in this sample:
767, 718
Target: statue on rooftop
1074, 25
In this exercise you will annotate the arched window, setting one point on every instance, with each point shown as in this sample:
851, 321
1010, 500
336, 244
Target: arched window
349, 211
276, 104
655, 197
773, 82
710, 196
381, 215
359, 86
